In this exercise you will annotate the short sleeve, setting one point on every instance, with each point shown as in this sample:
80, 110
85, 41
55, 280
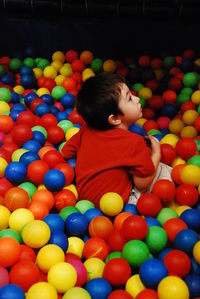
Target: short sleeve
70, 147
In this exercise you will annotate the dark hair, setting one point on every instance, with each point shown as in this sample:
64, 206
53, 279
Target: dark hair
98, 98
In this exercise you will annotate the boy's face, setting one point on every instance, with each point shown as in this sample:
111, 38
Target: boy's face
129, 105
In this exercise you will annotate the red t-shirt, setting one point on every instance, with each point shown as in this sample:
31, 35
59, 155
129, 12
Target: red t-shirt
106, 161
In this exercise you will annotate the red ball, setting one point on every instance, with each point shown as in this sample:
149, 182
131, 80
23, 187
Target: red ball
173, 226
177, 263
116, 240
24, 274
186, 147
6, 123
175, 84
69, 84
26, 117
55, 134
147, 294
120, 218
5, 154
52, 158
187, 195
48, 120
9, 251
150, 125
135, 228
10, 147
164, 189
189, 54
49, 83
149, 205
71, 55
27, 253
35, 103
96, 247
148, 113
155, 102
176, 173
120, 294
36, 171
153, 85
197, 124
117, 271
77, 77
168, 153
21, 133
144, 61
100, 226
77, 65
5, 185
169, 96
64, 198
156, 63
68, 172
76, 118
188, 106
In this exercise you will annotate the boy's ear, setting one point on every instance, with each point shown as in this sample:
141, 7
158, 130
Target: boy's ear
114, 120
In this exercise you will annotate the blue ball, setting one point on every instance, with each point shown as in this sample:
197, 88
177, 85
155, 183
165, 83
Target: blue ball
32, 146
14, 114
61, 116
98, 288
7, 79
11, 291
15, 172
54, 110
130, 208
168, 110
59, 238
68, 100
92, 213
30, 97
195, 266
185, 240
72, 162
192, 218
42, 109
193, 283
152, 272
27, 81
77, 125
47, 98
76, 224
163, 253
29, 157
18, 106
24, 70
38, 136
68, 111
54, 180
15, 97
134, 128
152, 221
55, 222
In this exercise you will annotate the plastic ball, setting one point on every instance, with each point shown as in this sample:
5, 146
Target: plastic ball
189, 117
71, 132
149, 204
98, 288
92, 213
119, 294
177, 263
57, 92
36, 234
62, 276
39, 209
76, 292
75, 246
6, 123
4, 217
168, 153
135, 228
64, 198
76, 224
116, 240
190, 175
176, 173
134, 285
55, 134
186, 147
166, 214
42, 290
111, 203
19, 218
147, 294
185, 240
16, 198
135, 252
173, 226
44, 196
192, 281
164, 189
191, 218
36, 171
11, 246
4, 107
100, 226
11, 291
15, 172
156, 239
94, 267
5, 94
187, 194
109, 65
80, 270
54, 180
27, 253
171, 139
190, 79
175, 126
189, 132
55, 222
173, 287
4, 276
95, 247
117, 271
21, 133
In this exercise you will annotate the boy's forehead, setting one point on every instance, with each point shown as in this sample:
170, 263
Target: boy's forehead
123, 87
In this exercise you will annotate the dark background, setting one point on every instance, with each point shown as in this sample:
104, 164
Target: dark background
111, 29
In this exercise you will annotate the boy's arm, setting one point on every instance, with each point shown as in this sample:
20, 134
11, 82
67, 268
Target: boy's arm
70, 147
143, 183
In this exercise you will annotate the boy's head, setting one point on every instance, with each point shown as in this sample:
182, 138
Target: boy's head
99, 98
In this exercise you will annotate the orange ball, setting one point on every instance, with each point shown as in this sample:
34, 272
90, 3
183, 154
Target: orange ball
176, 173
86, 57
119, 220
39, 209
9, 251
16, 198
6, 123
44, 196
64, 198
69, 84
100, 226
43, 150
169, 96
95, 247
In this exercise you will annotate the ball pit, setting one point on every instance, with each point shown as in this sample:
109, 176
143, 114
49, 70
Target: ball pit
48, 235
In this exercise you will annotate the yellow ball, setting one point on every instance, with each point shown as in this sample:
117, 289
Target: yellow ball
57, 64
71, 132
41, 290
58, 55
173, 287
195, 98
111, 203
196, 252
66, 70
190, 174
3, 165
4, 107
75, 246
36, 234
59, 79
94, 267
141, 121
169, 139
16, 155
109, 66
175, 126
41, 187
19, 89
145, 93
177, 161
189, 131
37, 72
159, 74
50, 72
88, 71
76, 293
4, 217
48, 256
62, 276
72, 188
134, 285
189, 117
19, 218
181, 209
87, 76
41, 91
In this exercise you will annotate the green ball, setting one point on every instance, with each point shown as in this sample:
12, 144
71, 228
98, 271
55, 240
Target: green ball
97, 65
57, 92
194, 160
166, 214
135, 252
29, 61
113, 255
9, 232
142, 102
66, 211
61, 146
29, 188
65, 124
197, 141
137, 86
156, 239
42, 63
187, 90
84, 205
40, 129
190, 79
169, 61
15, 64
2, 70
154, 132
182, 98
5, 94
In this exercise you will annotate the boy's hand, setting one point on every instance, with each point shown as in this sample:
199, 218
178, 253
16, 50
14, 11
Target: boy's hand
155, 145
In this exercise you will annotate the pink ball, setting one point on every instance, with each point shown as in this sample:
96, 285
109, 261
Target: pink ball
80, 270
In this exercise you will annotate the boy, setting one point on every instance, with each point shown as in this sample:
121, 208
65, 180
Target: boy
110, 158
